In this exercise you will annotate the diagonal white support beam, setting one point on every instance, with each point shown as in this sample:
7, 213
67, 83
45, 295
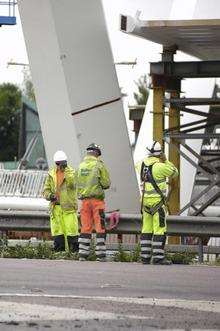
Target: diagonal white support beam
49, 80
73, 70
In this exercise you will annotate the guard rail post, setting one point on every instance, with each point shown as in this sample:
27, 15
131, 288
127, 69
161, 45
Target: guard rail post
200, 250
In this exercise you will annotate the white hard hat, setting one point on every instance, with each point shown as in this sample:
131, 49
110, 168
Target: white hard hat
154, 148
59, 156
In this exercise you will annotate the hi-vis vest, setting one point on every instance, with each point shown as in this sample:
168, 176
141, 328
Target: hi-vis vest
93, 178
67, 191
160, 171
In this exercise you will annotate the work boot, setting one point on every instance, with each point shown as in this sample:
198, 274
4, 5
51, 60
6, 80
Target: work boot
59, 243
84, 245
145, 261
82, 259
73, 243
100, 249
163, 262
101, 259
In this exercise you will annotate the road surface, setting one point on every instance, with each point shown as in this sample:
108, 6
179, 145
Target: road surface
66, 295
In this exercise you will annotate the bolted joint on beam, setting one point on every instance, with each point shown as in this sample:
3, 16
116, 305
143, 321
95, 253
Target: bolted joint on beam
168, 53
169, 84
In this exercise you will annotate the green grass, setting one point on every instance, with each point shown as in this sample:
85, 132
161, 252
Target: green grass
41, 251
124, 256
45, 251
181, 258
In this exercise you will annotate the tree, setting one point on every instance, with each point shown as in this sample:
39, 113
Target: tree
10, 103
28, 88
142, 95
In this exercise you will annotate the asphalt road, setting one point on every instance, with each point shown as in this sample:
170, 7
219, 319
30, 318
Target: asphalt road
63, 295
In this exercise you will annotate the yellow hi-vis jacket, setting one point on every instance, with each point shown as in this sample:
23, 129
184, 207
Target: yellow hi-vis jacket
160, 171
67, 190
93, 178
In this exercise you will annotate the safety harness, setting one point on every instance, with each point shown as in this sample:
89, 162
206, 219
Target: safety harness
147, 176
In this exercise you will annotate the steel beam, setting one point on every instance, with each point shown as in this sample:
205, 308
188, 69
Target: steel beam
199, 127
193, 135
196, 198
192, 101
191, 161
207, 204
168, 83
192, 111
210, 152
195, 208
187, 125
194, 69
201, 159
202, 181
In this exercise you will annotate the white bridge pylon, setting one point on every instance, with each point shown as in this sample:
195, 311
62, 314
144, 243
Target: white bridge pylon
73, 72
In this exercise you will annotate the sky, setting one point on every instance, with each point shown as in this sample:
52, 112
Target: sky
124, 47
13, 48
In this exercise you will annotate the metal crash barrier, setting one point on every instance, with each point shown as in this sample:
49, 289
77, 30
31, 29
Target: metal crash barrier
22, 183
201, 227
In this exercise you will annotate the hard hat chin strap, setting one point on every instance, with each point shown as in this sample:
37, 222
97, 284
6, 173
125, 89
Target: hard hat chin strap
152, 148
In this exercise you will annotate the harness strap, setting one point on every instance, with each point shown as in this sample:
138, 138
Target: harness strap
147, 176
154, 210
153, 183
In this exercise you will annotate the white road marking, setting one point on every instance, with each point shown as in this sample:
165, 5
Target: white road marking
201, 305
14, 311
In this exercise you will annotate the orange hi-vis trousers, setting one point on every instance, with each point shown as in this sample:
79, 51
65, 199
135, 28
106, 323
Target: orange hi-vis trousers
92, 214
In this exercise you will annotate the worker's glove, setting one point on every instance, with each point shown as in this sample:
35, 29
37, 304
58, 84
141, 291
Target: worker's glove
53, 198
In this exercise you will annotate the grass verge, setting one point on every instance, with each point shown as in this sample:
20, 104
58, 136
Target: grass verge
45, 251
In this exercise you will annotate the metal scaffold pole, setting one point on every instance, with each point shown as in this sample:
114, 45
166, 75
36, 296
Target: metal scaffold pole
158, 114
174, 157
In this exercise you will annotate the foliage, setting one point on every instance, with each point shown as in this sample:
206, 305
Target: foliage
181, 258
142, 95
45, 251
92, 256
126, 256
28, 88
217, 262
121, 255
10, 103
41, 251
136, 254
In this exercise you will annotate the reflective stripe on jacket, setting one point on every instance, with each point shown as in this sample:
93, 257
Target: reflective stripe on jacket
67, 190
93, 178
160, 171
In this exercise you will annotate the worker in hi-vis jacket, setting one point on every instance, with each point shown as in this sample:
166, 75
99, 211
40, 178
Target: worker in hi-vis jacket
93, 179
61, 190
154, 170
